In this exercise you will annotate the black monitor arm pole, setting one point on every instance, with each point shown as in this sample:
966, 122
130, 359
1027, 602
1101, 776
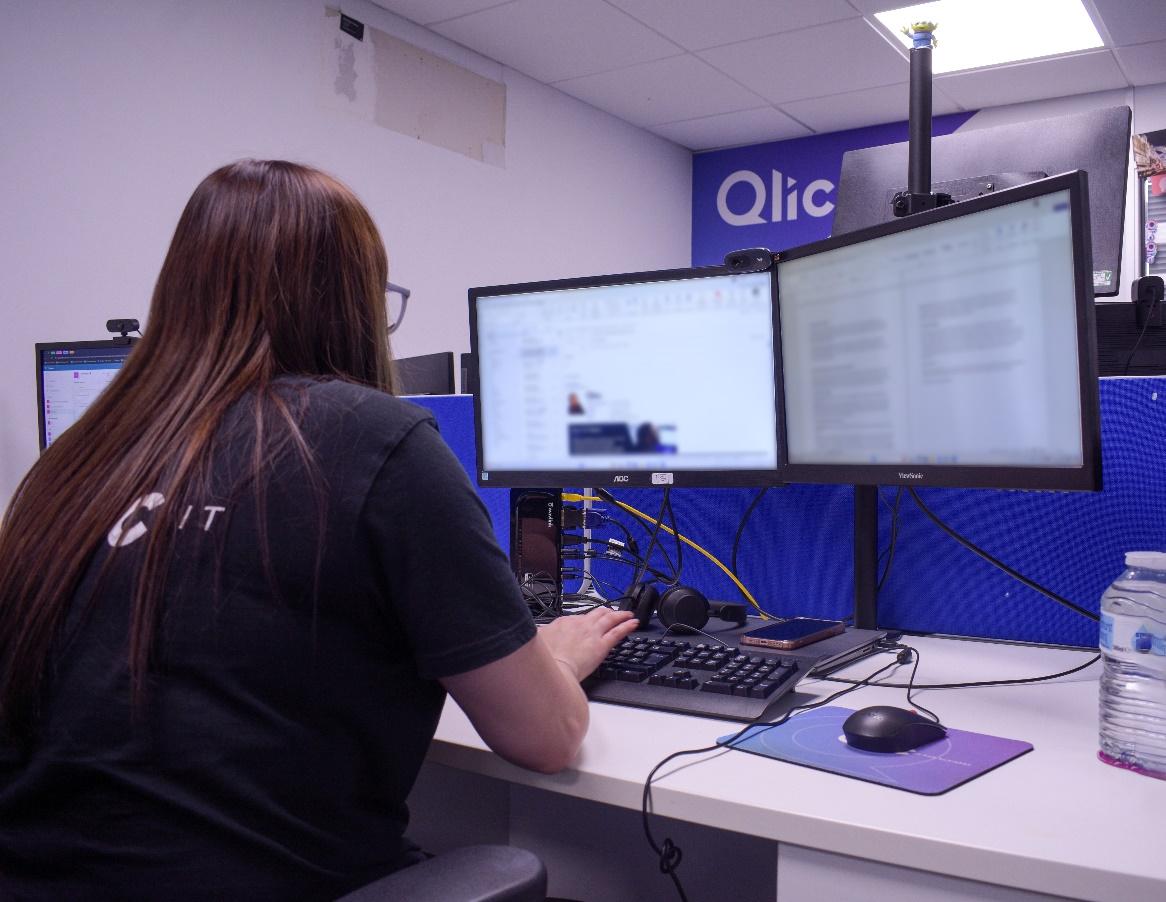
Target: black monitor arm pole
916, 198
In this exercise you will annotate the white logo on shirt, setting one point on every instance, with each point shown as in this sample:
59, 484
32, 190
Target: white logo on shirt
120, 536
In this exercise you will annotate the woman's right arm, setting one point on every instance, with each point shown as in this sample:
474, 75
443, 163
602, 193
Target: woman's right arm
529, 706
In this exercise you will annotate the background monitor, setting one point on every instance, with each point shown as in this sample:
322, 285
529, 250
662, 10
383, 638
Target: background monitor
658, 378
954, 347
69, 375
426, 374
970, 163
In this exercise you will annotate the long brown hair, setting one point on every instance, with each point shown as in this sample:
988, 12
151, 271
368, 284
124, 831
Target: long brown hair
274, 268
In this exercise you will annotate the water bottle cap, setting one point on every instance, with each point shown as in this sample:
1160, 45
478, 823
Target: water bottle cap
1146, 560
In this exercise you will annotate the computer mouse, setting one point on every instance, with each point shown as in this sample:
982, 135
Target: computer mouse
884, 728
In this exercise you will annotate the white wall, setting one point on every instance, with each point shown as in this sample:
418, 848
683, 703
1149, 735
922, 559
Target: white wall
111, 113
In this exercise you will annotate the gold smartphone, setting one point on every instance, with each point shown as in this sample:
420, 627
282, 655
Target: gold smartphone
792, 633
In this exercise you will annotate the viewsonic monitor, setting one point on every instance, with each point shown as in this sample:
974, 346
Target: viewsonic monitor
970, 163
69, 375
954, 347
655, 378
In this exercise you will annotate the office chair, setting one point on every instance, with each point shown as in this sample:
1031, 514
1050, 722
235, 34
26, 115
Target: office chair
470, 874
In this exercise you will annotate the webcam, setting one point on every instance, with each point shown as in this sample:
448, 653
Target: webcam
753, 259
124, 326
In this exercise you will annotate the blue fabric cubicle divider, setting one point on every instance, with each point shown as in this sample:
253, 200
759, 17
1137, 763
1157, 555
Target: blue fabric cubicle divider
796, 552
455, 419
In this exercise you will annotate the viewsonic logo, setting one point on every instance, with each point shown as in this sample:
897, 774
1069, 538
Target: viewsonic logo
910, 475
786, 202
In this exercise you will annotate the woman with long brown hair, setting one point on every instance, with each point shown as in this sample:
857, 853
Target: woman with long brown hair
234, 593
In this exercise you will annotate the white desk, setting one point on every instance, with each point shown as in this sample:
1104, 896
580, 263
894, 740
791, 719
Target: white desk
1056, 821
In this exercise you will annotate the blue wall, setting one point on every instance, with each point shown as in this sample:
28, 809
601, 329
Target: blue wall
781, 194
796, 553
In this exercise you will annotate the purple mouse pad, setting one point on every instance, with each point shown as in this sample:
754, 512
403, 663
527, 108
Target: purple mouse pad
815, 739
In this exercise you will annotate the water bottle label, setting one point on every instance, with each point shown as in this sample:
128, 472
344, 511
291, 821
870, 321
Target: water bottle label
1138, 640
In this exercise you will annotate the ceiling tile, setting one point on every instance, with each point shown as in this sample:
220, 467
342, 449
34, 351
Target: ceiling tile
825, 59
1133, 21
1144, 64
668, 90
551, 40
1083, 73
426, 12
732, 129
854, 109
870, 7
697, 24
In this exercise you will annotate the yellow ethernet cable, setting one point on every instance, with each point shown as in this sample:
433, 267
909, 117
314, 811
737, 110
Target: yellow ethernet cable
576, 496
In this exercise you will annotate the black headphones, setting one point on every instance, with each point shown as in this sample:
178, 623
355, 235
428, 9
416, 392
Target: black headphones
679, 606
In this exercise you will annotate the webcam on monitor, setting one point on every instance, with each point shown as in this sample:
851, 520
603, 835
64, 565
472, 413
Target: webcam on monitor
121, 326
752, 259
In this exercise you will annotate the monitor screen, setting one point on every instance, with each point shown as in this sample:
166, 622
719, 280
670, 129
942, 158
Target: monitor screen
663, 378
970, 163
69, 375
954, 347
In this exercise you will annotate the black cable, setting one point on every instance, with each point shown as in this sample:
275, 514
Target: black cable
627, 533
669, 853
601, 556
650, 530
675, 535
1016, 575
975, 685
894, 536
741, 529
652, 542
1125, 370
913, 653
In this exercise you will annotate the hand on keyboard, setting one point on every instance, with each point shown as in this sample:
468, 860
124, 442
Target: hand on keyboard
582, 641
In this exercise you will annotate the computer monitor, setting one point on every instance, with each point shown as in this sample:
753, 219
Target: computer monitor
655, 378
69, 375
426, 374
954, 347
970, 163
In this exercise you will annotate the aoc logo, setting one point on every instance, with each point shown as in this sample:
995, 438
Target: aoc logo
619, 479
786, 200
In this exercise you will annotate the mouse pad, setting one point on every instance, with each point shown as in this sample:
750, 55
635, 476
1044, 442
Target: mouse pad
815, 739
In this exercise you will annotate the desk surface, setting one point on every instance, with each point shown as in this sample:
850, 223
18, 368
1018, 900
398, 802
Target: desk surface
1056, 820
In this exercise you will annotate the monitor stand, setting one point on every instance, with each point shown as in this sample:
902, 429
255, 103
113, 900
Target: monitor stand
866, 556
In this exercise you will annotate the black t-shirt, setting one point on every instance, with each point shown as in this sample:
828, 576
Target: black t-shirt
282, 727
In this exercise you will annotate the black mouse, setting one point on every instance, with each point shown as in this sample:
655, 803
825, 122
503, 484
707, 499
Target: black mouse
884, 728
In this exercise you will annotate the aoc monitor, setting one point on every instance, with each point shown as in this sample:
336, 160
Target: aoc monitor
642, 379
69, 375
954, 347
971, 163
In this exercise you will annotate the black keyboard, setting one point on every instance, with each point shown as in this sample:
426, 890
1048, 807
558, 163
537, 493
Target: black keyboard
701, 678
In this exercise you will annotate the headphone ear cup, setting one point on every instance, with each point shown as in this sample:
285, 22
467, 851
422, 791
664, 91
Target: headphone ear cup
641, 600
683, 606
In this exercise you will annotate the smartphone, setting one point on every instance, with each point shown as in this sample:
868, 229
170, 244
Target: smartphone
792, 633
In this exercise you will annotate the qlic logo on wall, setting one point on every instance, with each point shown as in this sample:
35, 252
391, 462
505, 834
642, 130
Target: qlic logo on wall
785, 198
781, 194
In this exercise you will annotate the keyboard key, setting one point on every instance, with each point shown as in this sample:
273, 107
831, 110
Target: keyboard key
718, 686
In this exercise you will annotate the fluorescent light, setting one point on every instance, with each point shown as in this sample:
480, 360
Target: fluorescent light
973, 34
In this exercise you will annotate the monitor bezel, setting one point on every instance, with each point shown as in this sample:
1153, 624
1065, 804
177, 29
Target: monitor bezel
681, 478
120, 342
1084, 477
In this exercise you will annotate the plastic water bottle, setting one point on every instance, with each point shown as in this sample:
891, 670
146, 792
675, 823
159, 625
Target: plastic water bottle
1133, 682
